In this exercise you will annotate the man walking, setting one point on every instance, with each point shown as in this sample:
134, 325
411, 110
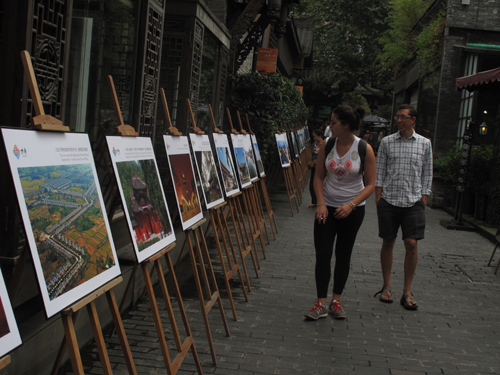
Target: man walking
403, 183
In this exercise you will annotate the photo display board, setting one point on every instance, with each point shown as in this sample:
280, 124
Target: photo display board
143, 199
182, 172
249, 155
295, 146
63, 214
9, 333
205, 163
258, 158
283, 150
226, 164
241, 160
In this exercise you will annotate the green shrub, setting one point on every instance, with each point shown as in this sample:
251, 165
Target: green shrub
269, 100
480, 167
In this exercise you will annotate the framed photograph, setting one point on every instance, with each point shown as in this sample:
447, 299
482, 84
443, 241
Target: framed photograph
182, 172
63, 214
143, 199
241, 160
283, 149
249, 155
294, 144
226, 165
207, 170
9, 333
258, 158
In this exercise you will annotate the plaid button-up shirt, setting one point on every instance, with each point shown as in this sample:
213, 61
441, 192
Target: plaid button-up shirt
404, 169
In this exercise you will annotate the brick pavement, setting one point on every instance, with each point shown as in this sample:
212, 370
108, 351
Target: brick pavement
455, 331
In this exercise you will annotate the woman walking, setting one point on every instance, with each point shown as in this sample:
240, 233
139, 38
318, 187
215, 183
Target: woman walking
344, 179
317, 138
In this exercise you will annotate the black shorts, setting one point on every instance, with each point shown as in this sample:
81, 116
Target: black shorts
411, 219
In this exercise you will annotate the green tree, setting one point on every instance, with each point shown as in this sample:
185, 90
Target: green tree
346, 47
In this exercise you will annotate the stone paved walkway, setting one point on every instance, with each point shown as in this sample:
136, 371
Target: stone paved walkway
455, 331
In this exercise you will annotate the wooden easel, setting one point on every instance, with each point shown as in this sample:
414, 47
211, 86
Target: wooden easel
48, 123
219, 225
267, 201
4, 362
239, 224
198, 237
255, 196
250, 209
188, 344
290, 185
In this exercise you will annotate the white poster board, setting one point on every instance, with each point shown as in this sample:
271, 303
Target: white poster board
63, 214
294, 144
9, 333
226, 164
249, 155
182, 172
207, 171
241, 160
283, 152
143, 199
258, 158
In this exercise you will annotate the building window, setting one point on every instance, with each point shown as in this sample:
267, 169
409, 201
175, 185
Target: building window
467, 99
103, 42
208, 81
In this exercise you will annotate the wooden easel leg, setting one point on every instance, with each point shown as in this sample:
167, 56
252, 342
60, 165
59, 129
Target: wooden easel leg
223, 267
259, 210
244, 249
74, 350
269, 208
125, 294
62, 349
242, 258
204, 248
157, 319
255, 217
233, 267
288, 189
204, 311
168, 305
184, 317
249, 232
122, 337
99, 339
261, 203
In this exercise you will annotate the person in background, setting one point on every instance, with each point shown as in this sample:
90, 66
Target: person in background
404, 179
317, 138
341, 194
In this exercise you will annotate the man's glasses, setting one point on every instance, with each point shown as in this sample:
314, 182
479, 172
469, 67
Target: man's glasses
401, 117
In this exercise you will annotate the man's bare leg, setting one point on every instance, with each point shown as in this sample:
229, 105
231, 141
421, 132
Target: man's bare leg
386, 262
411, 259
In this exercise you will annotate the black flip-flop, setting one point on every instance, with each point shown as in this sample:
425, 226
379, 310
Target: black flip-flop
381, 291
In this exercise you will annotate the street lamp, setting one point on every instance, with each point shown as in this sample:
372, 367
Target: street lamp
483, 129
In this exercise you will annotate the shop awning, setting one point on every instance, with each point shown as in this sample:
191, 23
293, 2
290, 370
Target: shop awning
488, 80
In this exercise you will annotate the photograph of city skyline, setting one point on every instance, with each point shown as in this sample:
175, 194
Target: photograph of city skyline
68, 225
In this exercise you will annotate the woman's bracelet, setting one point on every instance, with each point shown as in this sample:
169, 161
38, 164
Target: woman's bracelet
353, 206
321, 204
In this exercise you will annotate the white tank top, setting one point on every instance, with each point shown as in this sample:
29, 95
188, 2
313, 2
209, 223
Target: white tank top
342, 182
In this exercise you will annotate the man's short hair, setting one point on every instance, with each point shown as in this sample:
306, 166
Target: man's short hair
413, 111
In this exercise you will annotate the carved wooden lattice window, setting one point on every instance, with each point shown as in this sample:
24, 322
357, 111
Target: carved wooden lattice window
223, 67
49, 26
151, 68
196, 67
